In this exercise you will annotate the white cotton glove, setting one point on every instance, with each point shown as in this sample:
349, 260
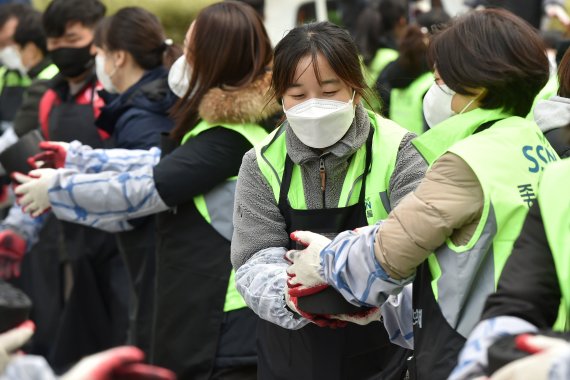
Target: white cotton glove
12, 340
538, 365
305, 278
32, 194
304, 273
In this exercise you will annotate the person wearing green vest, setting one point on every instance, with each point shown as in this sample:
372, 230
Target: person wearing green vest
202, 327
535, 303
13, 80
379, 29
453, 234
30, 41
404, 82
553, 114
331, 165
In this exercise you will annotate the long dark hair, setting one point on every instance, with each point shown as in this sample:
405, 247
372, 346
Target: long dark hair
229, 48
140, 33
495, 50
335, 45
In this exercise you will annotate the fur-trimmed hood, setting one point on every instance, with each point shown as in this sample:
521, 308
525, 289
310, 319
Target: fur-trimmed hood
243, 105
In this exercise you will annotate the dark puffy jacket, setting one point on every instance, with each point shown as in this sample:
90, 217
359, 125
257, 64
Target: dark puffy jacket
137, 117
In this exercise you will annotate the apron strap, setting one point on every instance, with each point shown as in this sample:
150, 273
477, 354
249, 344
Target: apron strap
367, 165
288, 172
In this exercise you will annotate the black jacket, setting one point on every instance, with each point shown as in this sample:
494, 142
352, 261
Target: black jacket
26, 118
137, 117
528, 287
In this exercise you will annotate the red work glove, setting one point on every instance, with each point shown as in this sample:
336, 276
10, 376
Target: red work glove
117, 363
53, 156
12, 249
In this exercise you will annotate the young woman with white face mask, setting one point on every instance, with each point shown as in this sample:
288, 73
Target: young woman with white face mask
331, 165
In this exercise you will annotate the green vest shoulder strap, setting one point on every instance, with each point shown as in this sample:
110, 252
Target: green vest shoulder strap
254, 133
216, 207
13, 78
548, 91
406, 104
555, 210
272, 152
437, 140
48, 73
473, 269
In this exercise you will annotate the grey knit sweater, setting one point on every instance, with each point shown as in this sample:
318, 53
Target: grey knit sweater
260, 235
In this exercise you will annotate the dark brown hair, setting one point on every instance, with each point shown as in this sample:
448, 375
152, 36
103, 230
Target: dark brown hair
564, 75
335, 45
140, 33
229, 48
495, 50
413, 49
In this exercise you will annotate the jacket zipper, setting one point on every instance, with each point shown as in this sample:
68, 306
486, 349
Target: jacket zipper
323, 175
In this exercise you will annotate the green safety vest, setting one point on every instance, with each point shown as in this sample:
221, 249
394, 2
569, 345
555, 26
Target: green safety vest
547, 92
554, 208
12, 78
216, 206
508, 159
48, 73
382, 58
272, 153
406, 104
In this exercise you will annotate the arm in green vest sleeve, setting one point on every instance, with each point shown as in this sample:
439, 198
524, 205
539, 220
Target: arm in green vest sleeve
446, 204
26, 118
409, 171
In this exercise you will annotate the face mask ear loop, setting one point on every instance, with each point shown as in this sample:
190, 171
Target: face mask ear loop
469, 104
352, 99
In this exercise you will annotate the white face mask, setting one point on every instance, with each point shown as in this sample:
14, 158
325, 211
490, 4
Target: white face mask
103, 77
179, 77
437, 104
319, 123
10, 57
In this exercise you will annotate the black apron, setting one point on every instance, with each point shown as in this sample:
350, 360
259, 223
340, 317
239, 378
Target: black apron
314, 353
138, 248
436, 343
193, 268
10, 101
70, 121
95, 316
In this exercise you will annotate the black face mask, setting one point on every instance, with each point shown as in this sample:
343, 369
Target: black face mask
72, 62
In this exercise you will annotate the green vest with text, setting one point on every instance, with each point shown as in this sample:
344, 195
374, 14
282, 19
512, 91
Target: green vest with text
216, 206
507, 158
272, 153
555, 210
406, 104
